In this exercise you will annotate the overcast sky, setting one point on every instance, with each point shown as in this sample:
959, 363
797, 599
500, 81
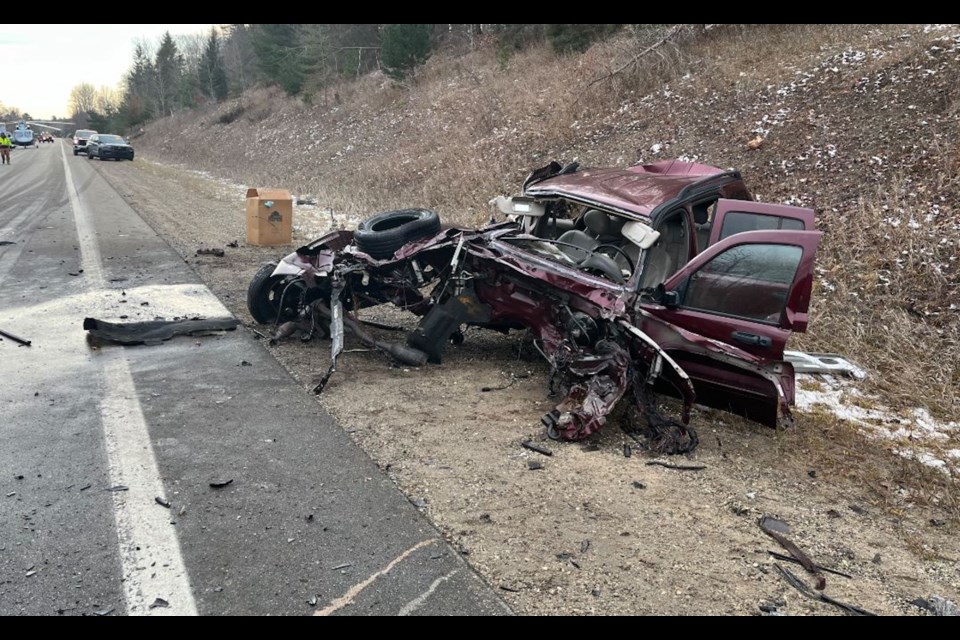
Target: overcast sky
41, 63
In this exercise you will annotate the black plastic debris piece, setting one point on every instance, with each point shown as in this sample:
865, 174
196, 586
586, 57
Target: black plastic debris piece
858, 509
210, 252
233, 244
772, 605
220, 483
155, 331
584, 546
533, 465
118, 487
4, 243
17, 339
342, 566
159, 603
533, 446
780, 556
627, 451
772, 524
678, 467
775, 529
639, 485
163, 502
797, 584
244, 363
937, 523
833, 513
509, 589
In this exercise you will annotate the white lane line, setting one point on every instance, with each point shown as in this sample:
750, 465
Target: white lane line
417, 602
355, 590
150, 557
89, 247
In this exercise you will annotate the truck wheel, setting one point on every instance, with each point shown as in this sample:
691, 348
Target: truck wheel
264, 293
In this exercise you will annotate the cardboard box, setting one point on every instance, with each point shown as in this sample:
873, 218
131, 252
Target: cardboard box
269, 216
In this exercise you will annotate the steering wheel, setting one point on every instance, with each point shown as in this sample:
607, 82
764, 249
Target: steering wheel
618, 250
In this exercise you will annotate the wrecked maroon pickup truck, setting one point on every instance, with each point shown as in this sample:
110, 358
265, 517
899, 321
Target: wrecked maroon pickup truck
665, 278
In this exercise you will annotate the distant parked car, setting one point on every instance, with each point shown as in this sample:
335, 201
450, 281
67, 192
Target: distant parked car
80, 138
46, 137
106, 145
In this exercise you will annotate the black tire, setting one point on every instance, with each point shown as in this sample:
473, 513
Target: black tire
264, 293
75, 152
381, 235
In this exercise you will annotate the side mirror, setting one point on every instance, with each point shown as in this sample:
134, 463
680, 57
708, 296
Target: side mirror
670, 299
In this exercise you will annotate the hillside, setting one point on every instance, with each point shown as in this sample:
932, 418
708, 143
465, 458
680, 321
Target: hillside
859, 122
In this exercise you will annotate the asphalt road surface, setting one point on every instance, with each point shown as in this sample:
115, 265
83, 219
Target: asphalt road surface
109, 454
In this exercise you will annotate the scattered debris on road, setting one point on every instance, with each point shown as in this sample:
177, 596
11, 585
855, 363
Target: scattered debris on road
159, 603
163, 502
118, 487
533, 465
210, 252
219, 484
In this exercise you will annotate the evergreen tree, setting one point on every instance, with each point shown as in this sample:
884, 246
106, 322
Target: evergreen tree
280, 56
139, 97
213, 76
574, 38
404, 47
169, 69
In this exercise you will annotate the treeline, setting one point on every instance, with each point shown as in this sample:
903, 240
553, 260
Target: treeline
181, 72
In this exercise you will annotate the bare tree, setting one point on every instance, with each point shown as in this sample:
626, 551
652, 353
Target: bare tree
83, 99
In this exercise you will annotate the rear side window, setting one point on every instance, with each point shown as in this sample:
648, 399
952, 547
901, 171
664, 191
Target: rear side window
739, 222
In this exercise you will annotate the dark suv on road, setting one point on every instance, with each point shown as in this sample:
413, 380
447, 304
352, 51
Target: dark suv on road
105, 146
80, 138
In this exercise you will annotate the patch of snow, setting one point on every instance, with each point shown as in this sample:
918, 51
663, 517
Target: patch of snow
915, 430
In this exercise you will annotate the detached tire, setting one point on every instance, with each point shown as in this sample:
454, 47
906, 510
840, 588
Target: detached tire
264, 292
381, 235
